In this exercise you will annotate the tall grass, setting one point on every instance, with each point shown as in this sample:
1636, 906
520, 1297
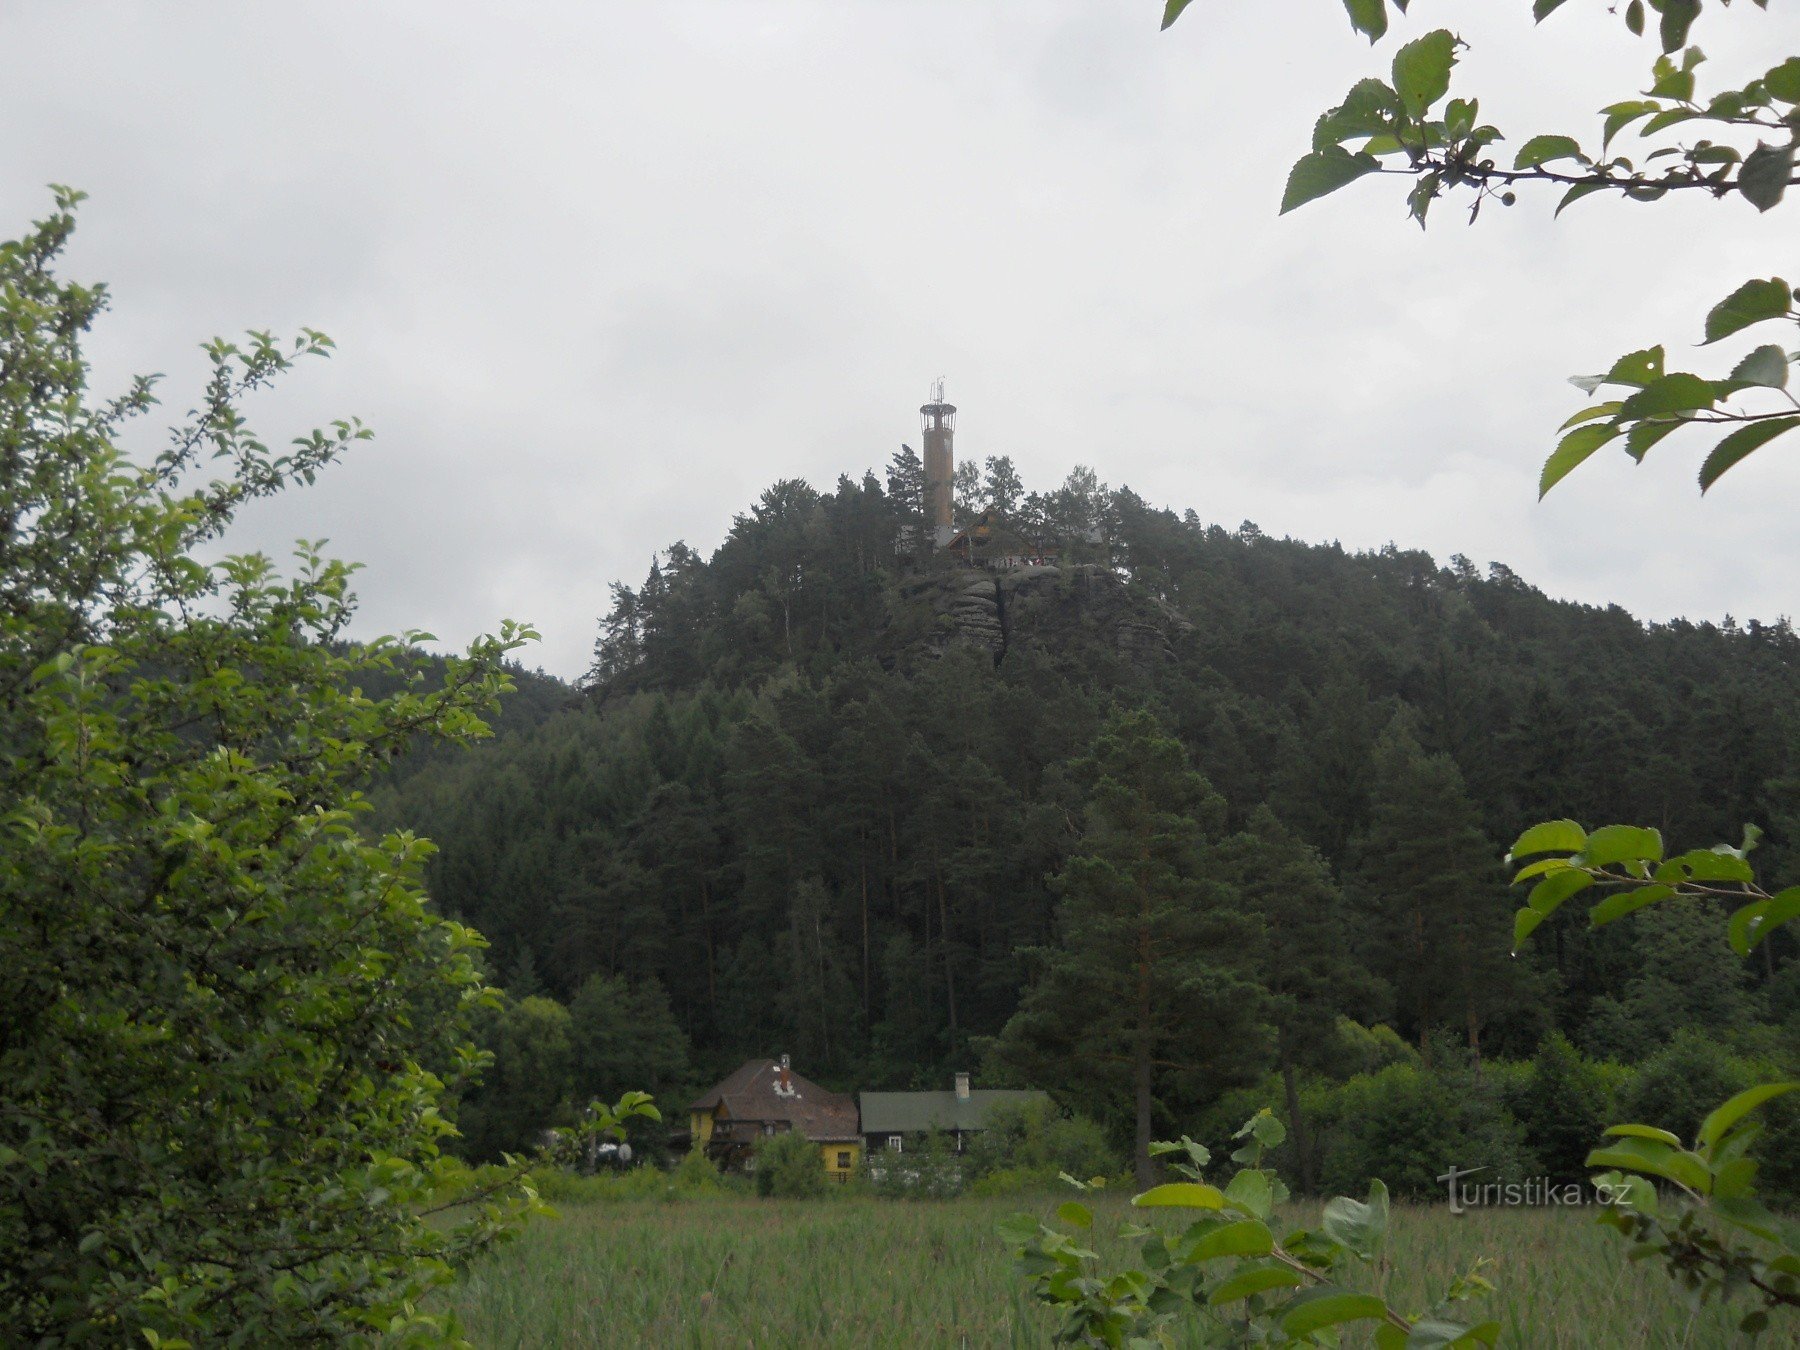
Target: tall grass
854, 1271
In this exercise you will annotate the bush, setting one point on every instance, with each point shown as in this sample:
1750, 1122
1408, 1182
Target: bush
229, 1013
1037, 1137
1565, 1102
696, 1175
1409, 1125
788, 1167
1680, 1087
932, 1171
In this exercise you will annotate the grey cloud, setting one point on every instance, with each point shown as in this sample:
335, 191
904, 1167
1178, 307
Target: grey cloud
599, 273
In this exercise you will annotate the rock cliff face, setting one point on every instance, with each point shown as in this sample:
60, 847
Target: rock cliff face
1049, 608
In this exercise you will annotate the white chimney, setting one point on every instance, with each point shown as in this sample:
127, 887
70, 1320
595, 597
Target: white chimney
962, 1087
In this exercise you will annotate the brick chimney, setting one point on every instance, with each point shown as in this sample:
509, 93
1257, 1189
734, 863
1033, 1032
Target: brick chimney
962, 1087
784, 1083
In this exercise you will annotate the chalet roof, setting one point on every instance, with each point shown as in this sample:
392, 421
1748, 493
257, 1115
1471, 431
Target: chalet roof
750, 1095
990, 530
910, 1112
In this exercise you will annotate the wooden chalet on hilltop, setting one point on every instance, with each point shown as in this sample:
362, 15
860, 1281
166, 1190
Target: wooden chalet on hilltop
988, 541
764, 1097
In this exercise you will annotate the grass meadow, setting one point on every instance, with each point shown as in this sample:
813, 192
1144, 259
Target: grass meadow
855, 1271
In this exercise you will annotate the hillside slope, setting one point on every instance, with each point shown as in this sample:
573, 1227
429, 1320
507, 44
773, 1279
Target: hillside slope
818, 784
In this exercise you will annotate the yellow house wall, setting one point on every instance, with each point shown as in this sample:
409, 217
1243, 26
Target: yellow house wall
700, 1127
829, 1154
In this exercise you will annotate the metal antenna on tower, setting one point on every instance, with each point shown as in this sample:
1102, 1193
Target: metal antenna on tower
937, 390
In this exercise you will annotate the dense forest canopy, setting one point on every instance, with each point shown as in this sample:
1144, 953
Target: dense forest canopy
793, 799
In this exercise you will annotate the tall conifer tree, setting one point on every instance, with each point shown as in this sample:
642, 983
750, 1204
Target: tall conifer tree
1147, 988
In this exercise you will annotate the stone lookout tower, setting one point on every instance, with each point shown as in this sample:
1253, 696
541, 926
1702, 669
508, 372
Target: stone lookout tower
937, 419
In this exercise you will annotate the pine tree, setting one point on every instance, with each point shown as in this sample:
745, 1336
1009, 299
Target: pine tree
623, 1037
1304, 964
1147, 988
1002, 486
906, 494
1440, 929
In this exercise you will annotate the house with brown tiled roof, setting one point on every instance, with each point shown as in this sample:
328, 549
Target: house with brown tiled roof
764, 1097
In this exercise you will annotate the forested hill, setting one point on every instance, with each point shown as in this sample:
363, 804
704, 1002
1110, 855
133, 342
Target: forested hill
816, 789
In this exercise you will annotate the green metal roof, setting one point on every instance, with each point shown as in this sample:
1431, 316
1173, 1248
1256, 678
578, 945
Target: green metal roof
910, 1112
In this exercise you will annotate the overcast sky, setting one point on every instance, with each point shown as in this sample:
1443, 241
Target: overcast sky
600, 272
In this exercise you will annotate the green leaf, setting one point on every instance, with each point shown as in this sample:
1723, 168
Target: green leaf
1075, 1214
1265, 1128
1422, 71
1626, 902
1543, 9
1783, 82
1330, 1309
1525, 923
1644, 435
1667, 118
1573, 450
1018, 1229
1673, 393
1764, 177
1706, 864
1753, 302
1247, 1237
1752, 924
1677, 17
1542, 867
1323, 172
1634, 17
1740, 444
1429, 1333
1256, 1280
1766, 368
1552, 836
1745, 1212
1546, 149
1358, 1225
1423, 194
1249, 1191
1369, 109
1548, 895
1657, 1159
1742, 924
1622, 115
1368, 16
1621, 843
1719, 1123
1182, 1195
1644, 1132
1592, 414
1172, 11
1577, 192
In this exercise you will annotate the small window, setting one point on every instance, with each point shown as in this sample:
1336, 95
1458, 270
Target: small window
895, 1143
843, 1160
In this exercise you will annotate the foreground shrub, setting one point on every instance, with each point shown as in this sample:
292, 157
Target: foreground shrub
227, 1018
